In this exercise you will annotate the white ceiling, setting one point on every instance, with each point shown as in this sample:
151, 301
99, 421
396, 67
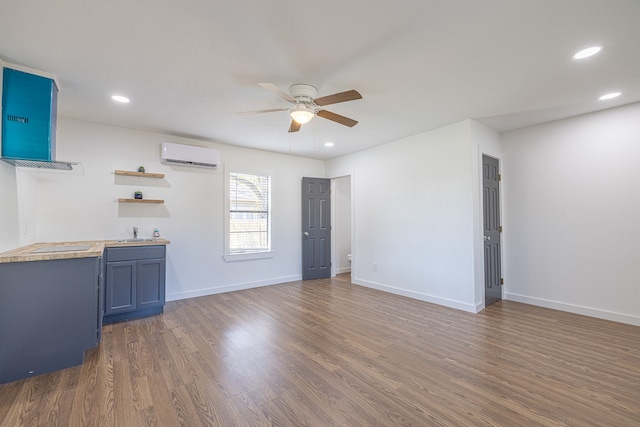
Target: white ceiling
189, 66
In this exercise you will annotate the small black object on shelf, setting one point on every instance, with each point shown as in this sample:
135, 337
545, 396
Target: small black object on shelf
137, 195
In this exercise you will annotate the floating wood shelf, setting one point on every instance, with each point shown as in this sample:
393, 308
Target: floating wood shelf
142, 174
140, 201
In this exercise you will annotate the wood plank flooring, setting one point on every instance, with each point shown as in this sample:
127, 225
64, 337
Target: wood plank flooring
329, 353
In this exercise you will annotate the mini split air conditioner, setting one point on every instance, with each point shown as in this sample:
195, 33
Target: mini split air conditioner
189, 155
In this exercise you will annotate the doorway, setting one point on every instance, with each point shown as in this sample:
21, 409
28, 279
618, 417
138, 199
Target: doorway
341, 231
316, 228
492, 229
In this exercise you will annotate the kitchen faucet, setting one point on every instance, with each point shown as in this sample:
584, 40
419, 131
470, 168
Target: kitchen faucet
135, 232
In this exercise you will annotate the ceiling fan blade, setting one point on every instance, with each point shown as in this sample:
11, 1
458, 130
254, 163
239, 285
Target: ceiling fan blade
275, 89
337, 118
244, 113
349, 95
295, 126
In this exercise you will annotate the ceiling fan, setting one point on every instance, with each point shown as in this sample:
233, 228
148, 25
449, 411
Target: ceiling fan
306, 105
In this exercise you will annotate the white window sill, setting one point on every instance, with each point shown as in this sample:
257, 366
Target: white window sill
248, 256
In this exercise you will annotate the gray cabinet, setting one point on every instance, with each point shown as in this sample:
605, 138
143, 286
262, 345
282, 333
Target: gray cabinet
49, 315
134, 282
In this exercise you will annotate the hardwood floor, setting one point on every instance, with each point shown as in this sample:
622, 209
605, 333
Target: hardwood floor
328, 353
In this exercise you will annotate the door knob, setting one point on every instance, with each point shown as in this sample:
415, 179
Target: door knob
306, 233
487, 238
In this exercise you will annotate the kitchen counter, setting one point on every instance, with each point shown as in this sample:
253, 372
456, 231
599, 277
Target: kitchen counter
52, 297
68, 250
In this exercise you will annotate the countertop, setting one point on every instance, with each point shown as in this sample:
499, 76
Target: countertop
95, 248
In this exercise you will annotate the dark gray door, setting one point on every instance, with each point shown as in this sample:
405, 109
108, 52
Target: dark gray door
492, 229
316, 228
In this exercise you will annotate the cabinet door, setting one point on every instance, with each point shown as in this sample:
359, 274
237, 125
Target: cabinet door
48, 312
150, 281
120, 287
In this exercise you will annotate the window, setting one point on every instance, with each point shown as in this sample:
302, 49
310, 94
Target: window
249, 220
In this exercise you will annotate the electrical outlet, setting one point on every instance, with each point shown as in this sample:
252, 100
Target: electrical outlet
375, 266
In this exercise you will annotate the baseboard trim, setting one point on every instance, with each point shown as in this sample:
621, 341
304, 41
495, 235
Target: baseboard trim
471, 308
343, 270
175, 296
572, 308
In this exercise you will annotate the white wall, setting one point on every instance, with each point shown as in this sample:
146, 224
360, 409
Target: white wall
9, 227
572, 206
571, 200
414, 214
70, 206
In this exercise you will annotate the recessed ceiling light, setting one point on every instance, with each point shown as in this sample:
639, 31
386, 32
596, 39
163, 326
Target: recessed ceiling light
120, 98
585, 53
610, 96
328, 144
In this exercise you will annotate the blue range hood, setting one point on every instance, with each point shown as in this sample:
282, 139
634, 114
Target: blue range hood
29, 111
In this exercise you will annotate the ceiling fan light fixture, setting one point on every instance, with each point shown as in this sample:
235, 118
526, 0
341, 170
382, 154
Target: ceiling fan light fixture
302, 114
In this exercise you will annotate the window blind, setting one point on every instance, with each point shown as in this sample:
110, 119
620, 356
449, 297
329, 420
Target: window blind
249, 213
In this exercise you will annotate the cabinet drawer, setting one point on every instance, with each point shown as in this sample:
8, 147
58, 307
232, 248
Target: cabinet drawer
135, 252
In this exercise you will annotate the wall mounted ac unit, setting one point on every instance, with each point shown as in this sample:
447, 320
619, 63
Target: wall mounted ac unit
189, 155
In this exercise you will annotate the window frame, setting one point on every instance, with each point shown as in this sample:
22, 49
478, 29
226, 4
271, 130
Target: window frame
228, 255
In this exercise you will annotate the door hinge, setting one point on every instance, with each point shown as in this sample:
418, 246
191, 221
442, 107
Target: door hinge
500, 229
502, 281
499, 177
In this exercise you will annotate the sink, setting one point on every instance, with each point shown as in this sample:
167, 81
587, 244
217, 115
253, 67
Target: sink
134, 240
68, 248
